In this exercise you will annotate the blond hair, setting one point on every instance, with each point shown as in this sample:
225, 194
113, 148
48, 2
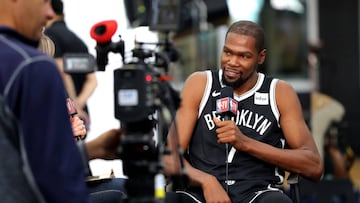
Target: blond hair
46, 45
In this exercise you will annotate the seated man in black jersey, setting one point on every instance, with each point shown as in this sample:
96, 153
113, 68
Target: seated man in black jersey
242, 159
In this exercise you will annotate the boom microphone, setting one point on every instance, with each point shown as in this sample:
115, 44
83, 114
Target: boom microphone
226, 106
102, 33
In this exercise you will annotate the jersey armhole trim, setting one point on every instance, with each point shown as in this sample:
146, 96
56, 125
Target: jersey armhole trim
273, 103
206, 93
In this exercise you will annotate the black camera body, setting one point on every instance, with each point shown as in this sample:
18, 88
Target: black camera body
135, 106
145, 104
141, 95
134, 93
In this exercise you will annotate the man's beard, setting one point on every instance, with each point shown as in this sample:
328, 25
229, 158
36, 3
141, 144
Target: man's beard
235, 84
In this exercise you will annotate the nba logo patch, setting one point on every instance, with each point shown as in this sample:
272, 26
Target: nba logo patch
261, 98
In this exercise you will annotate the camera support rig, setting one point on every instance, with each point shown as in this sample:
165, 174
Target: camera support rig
145, 104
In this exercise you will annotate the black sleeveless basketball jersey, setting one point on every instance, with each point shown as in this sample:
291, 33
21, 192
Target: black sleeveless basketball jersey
257, 117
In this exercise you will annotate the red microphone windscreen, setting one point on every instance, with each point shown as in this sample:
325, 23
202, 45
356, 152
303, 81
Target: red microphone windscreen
103, 31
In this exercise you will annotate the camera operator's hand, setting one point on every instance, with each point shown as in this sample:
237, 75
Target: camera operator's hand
105, 145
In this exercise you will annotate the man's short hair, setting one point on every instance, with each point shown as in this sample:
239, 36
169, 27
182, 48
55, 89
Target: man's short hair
249, 28
57, 6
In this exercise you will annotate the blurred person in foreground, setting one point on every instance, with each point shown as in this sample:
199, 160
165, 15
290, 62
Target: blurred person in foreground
102, 189
79, 86
47, 46
243, 159
37, 99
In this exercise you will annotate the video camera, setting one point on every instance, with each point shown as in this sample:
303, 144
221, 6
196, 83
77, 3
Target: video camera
145, 104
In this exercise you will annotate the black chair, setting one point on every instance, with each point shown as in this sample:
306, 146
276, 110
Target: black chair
327, 191
337, 190
293, 181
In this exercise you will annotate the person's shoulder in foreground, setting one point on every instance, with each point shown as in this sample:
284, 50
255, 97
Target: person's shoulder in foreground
267, 134
37, 98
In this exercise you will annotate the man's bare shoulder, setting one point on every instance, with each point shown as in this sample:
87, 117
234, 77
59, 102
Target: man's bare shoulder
283, 87
196, 79
198, 75
195, 85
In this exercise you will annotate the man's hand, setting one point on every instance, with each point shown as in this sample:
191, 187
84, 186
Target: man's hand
105, 146
228, 132
214, 192
85, 117
78, 127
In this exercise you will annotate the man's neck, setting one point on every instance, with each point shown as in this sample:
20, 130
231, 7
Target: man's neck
55, 19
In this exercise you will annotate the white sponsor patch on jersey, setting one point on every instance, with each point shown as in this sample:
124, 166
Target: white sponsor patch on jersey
261, 98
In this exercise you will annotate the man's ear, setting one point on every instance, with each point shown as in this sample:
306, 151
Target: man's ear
262, 56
